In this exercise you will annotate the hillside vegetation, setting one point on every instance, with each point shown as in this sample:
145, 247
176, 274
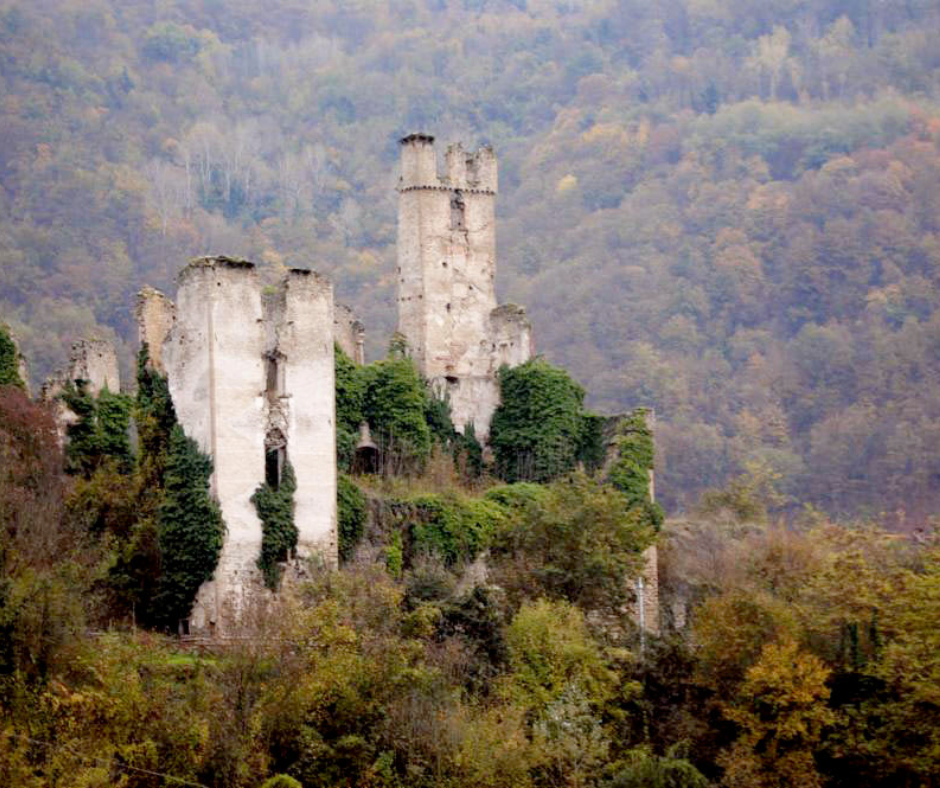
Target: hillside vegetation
476, 632
725, 210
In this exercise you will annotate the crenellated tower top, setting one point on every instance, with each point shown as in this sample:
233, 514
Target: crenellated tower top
465, 171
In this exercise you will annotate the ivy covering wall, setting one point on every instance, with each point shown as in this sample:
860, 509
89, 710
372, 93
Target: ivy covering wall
633, 462
351, 515
100, 433
275, 507
190, 529
541, 429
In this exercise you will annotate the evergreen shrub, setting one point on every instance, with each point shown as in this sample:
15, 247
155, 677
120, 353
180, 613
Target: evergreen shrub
9, 360
190, 529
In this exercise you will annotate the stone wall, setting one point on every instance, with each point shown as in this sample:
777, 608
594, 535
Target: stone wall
349, 333
93, 361
155, 316
446, 272
252, 373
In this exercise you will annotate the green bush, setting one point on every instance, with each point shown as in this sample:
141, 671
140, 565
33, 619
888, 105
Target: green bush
351, 515
578, 541
540, 429
281, 781
517, 496
455, 529
275, 507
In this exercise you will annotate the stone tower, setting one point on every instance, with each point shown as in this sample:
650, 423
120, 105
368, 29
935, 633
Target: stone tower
250, 371
446, 270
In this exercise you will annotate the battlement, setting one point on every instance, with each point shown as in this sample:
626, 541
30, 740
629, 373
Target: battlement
474, 173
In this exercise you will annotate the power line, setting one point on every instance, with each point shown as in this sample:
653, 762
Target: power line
110, 763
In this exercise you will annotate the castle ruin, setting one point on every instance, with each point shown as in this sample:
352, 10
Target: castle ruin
93, 363
447, 308
251, 368
250, 371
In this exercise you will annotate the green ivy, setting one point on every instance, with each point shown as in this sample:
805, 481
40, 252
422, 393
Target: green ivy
100, 432
540, 429
9, 360
190, 529
351, 515
349, 393
630, 470
394, 404
275, 507
455, 529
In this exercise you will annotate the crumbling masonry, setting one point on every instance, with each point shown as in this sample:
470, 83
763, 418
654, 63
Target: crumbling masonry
250, 371
447, 308
92, 362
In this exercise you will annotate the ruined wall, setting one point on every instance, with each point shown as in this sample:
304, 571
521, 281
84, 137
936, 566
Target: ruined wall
215, 368
446, 273
155, 317
91, 360
250, 373
645, 607
349, 333
306, 342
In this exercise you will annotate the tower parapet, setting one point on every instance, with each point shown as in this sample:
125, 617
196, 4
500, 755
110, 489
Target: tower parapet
447, 306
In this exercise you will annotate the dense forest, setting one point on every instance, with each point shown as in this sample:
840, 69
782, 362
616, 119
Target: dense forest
725, 210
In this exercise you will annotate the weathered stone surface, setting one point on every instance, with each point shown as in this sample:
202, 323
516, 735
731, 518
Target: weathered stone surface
93, 361
155, 317
446, 270
252, 373
349, 333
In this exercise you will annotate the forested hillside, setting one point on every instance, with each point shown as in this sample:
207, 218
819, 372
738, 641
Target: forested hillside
724, 209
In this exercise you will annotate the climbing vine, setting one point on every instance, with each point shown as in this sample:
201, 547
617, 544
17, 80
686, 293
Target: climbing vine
351, 515
630, 470
349, 392
100, 432
275, 507
540, 429
190, 529
451, 527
